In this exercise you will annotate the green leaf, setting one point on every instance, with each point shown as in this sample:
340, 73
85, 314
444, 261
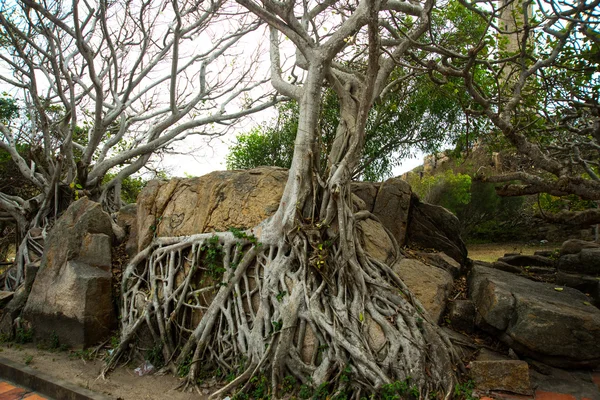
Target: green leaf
558, 289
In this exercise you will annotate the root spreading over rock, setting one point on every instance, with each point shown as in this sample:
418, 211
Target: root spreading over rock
305, 305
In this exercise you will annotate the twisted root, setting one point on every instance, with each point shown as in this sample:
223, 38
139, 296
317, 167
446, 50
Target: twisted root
274, 303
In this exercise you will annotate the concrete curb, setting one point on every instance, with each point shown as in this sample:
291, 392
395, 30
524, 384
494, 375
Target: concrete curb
45, 384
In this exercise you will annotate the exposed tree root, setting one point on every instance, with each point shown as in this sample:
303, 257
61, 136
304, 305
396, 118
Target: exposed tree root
299, 306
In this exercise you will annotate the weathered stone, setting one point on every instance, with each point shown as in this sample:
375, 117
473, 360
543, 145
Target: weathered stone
367, 192
569, 262
213, 202
358, 203
71, 296
590, 261
585, 284
443, 261
431, 226
563, 384
507, 375
392, 207
376, 241
430, 284
543, 253
587, 261
489, 355
127, 220
523, 260
574, 246
557, 327
502, 266
462, 315
5, 297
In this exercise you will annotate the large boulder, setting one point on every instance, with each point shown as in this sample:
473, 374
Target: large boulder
213, 202
392, 206
430, 284
556, 325
443, 261
574, 246
242, 199
586, 261
431, 226
71, 296
506, 375
376, 241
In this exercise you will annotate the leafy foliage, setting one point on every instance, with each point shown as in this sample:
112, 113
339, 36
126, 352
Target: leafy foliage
9, 108
417, 116
483, 215
131, 186
449, 190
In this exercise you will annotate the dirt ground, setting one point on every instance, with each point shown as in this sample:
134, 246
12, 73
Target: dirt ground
122, 383
490, 252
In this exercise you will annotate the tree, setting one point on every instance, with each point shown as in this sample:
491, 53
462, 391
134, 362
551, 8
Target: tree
306, 264
532, 71
101, 87
417, 115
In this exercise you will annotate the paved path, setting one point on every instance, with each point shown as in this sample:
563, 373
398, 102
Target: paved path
8, 391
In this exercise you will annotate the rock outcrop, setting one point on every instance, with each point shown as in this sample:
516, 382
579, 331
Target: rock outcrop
587, 261
392, 206
430, 284
431, 226
242, 199
556, 325
71, 296
213, 202
507, 375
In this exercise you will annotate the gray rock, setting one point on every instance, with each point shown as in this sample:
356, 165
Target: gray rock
569, 262
574, 246
555, 327
443, 261
506, 375
5, 297
431, 226
367, 192
502, 266
587, 261
429, 284
72, 293
489, 355
586, 284
590, 261
577, 383
522, 260
462, 315
392, 207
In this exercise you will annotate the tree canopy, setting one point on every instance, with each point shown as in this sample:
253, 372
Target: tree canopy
532, 71
417, 115
95, 89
